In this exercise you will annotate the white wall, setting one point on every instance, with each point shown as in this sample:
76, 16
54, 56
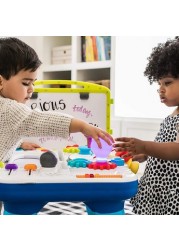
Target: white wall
35, 43
134, 96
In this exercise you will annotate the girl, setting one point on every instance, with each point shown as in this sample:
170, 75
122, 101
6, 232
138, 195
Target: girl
158, 191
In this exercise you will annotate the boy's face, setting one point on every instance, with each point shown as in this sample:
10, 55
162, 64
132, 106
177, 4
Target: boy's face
18, 87
169, 91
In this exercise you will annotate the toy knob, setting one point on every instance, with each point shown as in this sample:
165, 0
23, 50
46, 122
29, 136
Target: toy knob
11, 166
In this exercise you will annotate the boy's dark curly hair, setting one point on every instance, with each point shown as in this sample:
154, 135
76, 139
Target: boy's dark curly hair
163, 61
15, 55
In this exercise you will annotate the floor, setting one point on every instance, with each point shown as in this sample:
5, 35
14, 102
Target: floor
73, 208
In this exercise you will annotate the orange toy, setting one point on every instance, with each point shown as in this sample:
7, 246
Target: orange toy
30, 167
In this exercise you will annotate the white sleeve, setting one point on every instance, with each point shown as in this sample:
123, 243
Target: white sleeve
28, 123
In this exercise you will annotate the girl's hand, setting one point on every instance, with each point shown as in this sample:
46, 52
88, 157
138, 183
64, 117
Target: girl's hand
133, 146
140, 158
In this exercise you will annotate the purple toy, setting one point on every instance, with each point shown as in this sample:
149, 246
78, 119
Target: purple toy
101, 153
10, 167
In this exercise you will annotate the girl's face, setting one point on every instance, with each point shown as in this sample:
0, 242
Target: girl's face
18, 87
169, 91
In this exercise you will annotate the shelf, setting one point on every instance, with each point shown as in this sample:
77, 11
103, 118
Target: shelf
57, 75
78, 66
93, 65
93, 74
76, 70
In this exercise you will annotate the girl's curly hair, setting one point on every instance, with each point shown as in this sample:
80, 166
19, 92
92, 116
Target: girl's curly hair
163, 61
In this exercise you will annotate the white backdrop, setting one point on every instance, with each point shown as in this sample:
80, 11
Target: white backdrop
133, 95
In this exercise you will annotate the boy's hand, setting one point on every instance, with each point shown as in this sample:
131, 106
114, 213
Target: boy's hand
29, 146
91, 131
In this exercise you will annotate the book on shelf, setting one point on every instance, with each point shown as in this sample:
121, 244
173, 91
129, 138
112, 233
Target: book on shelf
103, 57
95, 48
83, 49
95, 51
107, 47
89, 49
98, 44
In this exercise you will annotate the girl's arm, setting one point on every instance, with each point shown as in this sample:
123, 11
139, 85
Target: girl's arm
161, 150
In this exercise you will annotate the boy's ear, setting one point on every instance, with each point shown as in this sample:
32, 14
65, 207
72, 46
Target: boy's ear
1, 82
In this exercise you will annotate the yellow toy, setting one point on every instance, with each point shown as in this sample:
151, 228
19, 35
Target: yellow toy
133, 165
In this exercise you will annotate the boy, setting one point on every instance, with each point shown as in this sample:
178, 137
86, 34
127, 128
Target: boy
19, 64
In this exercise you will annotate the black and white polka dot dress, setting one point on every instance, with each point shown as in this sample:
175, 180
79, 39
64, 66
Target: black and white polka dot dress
158, 192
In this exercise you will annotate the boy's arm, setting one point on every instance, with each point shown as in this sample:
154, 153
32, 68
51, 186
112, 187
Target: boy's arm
90, 131
32, 123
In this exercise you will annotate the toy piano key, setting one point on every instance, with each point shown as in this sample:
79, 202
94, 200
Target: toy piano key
30, 167
10, 167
